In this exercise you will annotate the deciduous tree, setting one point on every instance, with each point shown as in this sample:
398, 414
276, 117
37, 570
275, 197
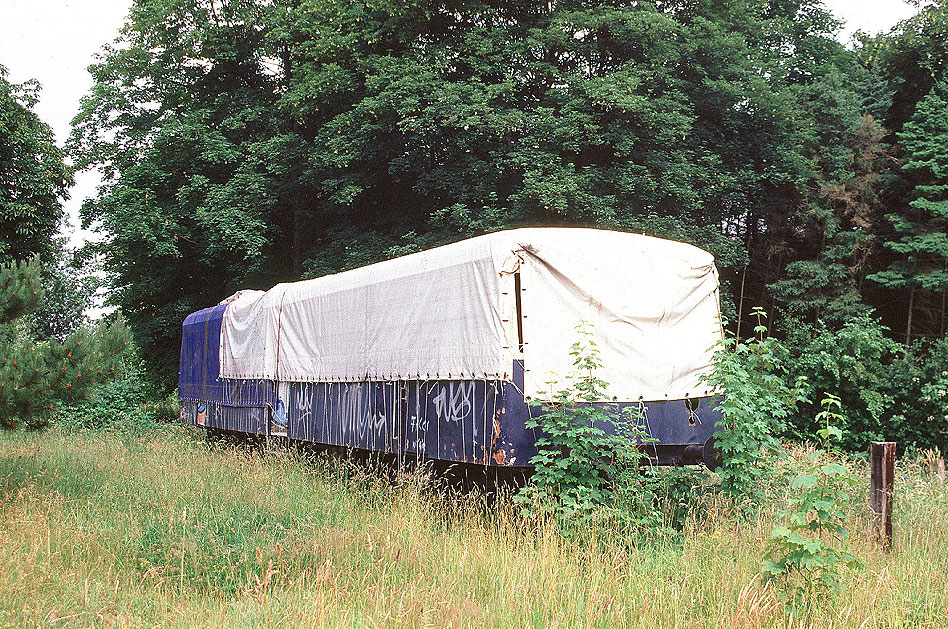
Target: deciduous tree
246, 143
33, 176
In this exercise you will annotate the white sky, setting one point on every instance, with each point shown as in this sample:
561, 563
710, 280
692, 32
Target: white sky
871, 16
54, 41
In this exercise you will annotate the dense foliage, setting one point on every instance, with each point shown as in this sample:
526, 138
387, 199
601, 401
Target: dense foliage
33, 176
888, 391
246, 143
127, 403
755, 410
38, 375
50, 354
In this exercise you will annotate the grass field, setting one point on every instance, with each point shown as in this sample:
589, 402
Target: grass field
160, 530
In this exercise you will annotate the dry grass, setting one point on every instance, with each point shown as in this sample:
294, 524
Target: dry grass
163, 531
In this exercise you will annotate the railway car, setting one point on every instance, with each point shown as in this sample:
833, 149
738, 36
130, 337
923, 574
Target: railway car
445, 354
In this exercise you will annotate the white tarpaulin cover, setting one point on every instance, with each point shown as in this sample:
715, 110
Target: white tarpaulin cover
450, 314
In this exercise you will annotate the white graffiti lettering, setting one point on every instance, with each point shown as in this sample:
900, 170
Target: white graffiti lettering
455, 401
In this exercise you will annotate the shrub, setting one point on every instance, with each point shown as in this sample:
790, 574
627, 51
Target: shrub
804, 555
38, 376
587, 464
125, 403
683, 494
888, 392
755, 401
856, 363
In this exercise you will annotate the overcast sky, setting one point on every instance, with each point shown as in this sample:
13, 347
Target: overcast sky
55, 40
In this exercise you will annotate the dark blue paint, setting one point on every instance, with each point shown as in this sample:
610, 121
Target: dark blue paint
248, 419
473, 421
199, 369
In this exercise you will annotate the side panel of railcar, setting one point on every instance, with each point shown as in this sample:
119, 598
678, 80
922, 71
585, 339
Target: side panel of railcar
682, 429
449, 420
206, 398
473, 421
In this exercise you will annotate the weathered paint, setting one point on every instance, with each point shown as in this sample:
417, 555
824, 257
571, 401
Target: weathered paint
471, 421
248, 419
199, 370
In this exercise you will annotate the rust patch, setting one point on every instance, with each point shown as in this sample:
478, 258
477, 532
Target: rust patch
499, 455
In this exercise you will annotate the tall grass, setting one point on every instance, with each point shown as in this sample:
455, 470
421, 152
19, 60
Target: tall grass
162, 530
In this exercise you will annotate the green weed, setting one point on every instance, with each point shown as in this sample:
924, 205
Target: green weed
160, 530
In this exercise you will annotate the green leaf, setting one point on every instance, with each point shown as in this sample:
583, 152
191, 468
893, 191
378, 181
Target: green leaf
803, 481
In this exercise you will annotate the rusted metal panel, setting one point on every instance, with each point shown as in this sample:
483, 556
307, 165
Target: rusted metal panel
247, 419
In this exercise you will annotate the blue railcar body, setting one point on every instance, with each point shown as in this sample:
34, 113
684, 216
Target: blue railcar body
199, 378
482, 422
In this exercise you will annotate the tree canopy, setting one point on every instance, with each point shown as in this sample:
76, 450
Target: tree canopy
33, 175
920, 241
246, 143
50, 355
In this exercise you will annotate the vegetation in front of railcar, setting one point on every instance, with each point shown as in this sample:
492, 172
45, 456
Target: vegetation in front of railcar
164, 530
757, 399
588, 477
587, 471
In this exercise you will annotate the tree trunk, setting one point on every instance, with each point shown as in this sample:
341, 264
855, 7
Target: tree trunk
908, 327
942, 334
740, 304
942, 313
297, 254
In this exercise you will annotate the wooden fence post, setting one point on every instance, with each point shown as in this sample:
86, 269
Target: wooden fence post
882, 464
